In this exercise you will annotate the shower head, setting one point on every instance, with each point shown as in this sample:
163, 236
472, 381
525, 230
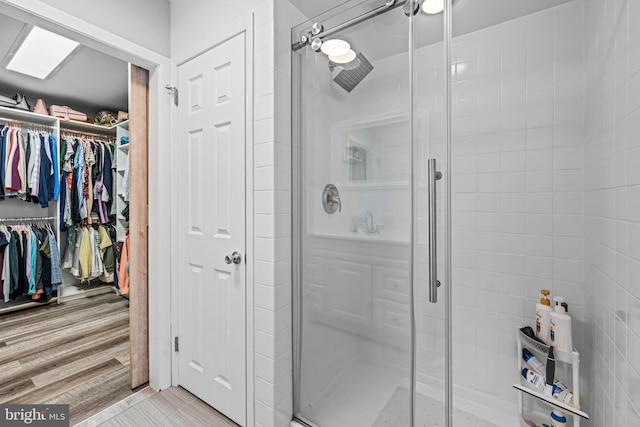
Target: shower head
349, 75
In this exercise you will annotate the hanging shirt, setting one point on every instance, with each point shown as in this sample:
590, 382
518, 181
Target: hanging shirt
123, 270
11, 179
33, 279
56, 270
22, 163
45, 189
81, 176
35, 173
3, 133
85, 255
54, 159
4, 243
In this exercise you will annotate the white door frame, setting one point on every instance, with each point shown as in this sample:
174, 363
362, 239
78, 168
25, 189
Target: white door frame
160, 73
243, 24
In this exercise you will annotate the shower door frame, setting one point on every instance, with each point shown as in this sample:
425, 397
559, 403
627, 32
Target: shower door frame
298, 225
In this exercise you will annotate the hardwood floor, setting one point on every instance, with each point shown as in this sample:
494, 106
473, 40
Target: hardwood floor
173, 407
75, 353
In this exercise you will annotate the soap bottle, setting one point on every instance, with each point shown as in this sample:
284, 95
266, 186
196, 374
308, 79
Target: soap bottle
543, 315
558, 418
560, 327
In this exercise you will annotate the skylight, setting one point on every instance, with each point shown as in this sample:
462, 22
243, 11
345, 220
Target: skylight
40, 53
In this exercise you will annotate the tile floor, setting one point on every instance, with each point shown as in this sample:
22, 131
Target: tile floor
173, 407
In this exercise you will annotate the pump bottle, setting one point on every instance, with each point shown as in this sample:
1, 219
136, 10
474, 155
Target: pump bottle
543, 315
560, 326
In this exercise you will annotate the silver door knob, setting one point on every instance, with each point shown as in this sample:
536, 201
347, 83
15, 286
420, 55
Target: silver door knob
234, 258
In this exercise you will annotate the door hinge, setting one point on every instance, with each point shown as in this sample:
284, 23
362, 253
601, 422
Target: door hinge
176, 347
173, 91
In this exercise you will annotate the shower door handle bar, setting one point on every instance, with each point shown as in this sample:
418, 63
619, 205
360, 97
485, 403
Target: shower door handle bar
432, 176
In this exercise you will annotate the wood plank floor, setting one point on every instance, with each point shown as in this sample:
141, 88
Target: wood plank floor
173, 407
75, 353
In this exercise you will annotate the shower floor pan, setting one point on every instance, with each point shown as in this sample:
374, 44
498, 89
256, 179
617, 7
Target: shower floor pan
370, 395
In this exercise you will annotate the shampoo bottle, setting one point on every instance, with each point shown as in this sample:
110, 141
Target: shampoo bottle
560, 326
543, 315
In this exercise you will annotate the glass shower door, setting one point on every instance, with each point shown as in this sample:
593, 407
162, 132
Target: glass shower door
368, 343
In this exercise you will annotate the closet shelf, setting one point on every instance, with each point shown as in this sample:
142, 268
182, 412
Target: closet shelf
28, 116
87, 127
124, 147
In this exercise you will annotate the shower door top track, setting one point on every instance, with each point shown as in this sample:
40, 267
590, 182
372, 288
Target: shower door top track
306, 39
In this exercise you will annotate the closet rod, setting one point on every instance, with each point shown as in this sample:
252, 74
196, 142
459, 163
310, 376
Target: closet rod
26, 219
66, 132
17, 123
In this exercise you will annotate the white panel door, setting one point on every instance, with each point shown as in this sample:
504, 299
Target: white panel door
212, 325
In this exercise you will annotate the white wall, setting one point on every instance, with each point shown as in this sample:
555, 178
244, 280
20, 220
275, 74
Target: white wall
145, 22
517, 188
612, 209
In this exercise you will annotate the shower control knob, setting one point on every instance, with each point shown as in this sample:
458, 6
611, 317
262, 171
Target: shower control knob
234, 258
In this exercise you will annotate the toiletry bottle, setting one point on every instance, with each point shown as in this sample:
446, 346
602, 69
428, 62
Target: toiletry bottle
560, 326
533, 361
558, 419
543, 314
557, 390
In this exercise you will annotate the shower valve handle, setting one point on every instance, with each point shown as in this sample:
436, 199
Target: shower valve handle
331, 199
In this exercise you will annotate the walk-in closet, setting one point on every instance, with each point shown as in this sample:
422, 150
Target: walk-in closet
65, 191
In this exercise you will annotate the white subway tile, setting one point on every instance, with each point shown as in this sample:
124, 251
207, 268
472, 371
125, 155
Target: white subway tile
513, 182
540, 224
513, 223
263, 85
539, 245
513, 161
538, 138
512, 141
513, 202
539, 182
568, 248
568, 270
539, 160
540, 203
569, 203
539, 116
264, 59
568, 180
568, 158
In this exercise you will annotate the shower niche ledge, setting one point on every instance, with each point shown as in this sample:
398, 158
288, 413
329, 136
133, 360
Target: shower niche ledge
360, 237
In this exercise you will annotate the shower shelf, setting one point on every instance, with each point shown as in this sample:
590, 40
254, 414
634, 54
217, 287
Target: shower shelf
540, 351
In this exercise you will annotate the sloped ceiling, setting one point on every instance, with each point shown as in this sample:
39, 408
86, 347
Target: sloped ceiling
88, 81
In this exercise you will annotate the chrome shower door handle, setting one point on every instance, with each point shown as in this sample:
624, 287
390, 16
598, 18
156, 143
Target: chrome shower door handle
432, 176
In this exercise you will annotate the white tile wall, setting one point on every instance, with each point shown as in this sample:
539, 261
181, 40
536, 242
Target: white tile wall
518, 145
612, 204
